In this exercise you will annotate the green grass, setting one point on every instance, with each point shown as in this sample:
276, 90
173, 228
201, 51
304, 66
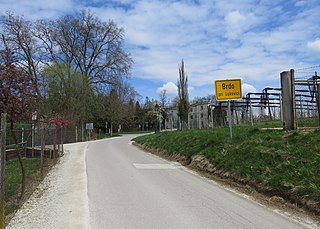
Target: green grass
308, 122
289, 163
13, 177
268, 124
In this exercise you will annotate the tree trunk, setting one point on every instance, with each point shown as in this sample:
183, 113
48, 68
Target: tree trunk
23, 172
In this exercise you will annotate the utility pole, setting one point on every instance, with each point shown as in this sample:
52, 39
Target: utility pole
2, 167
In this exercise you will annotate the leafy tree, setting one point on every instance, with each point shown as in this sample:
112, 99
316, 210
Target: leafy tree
148, 104
67, 92
183, 103
114, 109
140, 116
130, 116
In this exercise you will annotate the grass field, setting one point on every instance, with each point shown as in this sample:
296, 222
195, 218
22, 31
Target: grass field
286, 163
13, 178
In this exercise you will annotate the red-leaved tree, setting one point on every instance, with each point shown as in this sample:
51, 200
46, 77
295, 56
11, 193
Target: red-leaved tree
17, 94
59, 123
17, 89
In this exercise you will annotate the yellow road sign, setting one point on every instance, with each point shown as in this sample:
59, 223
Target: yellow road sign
228, 89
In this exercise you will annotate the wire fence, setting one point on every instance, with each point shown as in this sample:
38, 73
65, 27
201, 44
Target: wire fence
51, 136
255, 107
29, 138
267, 105
307, 97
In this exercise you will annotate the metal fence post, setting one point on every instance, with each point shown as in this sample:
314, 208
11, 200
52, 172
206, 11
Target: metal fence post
251, 112
2, 168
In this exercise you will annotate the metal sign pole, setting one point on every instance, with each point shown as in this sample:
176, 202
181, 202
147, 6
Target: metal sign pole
227, 90
230, 119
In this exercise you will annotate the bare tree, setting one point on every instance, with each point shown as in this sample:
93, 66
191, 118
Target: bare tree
163, 99
19, 36
183, 104
92, 47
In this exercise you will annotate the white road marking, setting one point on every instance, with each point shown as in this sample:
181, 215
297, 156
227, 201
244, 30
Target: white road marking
153, 166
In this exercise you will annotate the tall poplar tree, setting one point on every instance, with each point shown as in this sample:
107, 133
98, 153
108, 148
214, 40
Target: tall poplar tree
183, 103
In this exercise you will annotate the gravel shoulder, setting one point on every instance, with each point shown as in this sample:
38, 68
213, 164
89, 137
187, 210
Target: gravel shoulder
61, 200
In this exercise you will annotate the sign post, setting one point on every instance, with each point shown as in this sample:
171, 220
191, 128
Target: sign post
227, 90
230, 119
89, 128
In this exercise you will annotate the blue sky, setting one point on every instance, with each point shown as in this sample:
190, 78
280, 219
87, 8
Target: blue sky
218, 39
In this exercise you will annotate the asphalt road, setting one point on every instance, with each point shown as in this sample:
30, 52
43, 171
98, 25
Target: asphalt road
129, 188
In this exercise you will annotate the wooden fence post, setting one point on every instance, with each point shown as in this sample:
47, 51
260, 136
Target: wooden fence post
288, 100
42, 132
2, 168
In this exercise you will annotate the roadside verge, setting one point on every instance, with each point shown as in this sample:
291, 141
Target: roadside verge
256, 192
61, 200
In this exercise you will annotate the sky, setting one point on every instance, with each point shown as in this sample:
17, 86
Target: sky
251, 40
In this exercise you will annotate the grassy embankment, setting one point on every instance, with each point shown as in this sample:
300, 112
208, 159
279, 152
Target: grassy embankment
13, 179
285, 164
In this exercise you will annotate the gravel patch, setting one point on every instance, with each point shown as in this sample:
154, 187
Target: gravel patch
61, 200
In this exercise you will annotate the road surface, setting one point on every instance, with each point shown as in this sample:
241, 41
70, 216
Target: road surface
129, 188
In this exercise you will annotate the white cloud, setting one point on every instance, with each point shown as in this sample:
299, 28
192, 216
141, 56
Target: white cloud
38, 9
170, 88
238, 23
247, 88
314, 45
